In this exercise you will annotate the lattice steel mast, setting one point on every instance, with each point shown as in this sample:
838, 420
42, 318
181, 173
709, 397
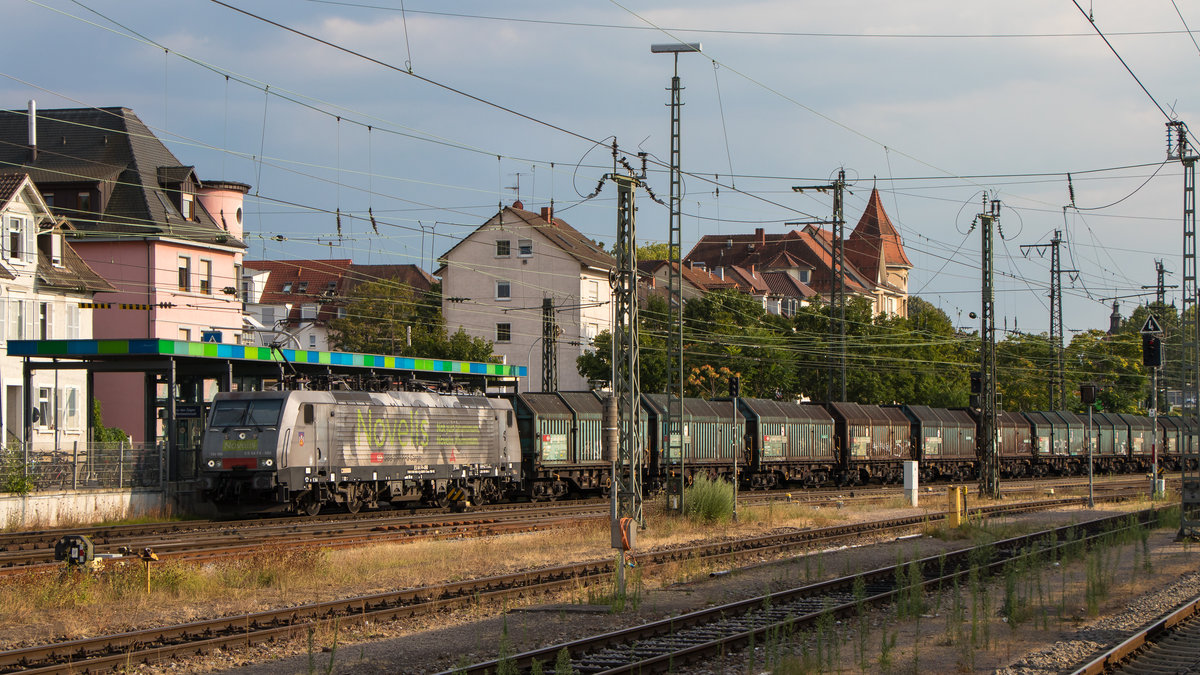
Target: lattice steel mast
989, 471
625, 362
1058, 382
1179, 148
836, 383
549, 346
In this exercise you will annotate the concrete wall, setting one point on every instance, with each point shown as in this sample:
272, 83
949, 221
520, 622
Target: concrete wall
76, 507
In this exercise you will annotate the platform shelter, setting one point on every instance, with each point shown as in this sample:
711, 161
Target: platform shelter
186, 375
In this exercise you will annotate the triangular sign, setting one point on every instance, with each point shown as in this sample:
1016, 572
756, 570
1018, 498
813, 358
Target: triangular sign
1151, 325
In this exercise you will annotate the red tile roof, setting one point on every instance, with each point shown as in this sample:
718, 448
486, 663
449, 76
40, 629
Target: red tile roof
875, 241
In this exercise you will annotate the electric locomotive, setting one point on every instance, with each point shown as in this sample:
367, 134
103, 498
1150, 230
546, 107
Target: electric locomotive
300, 450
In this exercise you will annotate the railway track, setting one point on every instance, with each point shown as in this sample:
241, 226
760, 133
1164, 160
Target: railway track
1168, 646
163, 643
672, 643
23, 552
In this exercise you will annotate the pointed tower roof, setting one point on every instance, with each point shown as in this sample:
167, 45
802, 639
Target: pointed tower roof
875, 241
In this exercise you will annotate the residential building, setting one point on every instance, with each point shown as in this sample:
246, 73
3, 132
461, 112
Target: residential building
142, 220
497, 280
876, 266
43, 283
291, 302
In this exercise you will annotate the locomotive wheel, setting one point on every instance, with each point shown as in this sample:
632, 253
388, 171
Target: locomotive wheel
310, 504
354, 500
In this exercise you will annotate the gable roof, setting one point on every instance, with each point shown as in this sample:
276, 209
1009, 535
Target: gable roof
808, 248
314, 276
585, 251
875, 240
114, 148
9, 184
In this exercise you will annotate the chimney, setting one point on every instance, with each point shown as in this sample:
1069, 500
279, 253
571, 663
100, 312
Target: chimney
760, 235
720, 272
548, 214
753, 271
32, 130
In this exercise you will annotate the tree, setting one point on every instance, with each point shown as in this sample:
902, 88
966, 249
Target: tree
657, 251
384, 317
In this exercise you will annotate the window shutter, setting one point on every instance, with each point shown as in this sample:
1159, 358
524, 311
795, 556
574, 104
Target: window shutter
29, 251
31, 319
50, 321
72, 320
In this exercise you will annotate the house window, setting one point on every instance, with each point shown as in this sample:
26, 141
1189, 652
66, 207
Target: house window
341, 312
312, 340
72, 321
206, 277
15, 238
331, 287
302, 287
525, 248
186, 206
83, 201
185, 334
16, 319
56, 244
287, 287
593, 291
70, 408
268, 316
45, 321
502, 248
504, 332
590, 331
503, 290
185, 273
804, 276
45, 407
48, 197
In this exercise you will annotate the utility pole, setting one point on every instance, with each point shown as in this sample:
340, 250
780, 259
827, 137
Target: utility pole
674, 444
626, 385
989, 471
1179, 148
836, 390
549, 347
1058, 389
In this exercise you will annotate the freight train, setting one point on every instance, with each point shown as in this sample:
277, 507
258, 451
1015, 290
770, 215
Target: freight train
301, 450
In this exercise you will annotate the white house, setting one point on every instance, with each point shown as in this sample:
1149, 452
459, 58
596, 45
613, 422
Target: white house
42, 283
495, 282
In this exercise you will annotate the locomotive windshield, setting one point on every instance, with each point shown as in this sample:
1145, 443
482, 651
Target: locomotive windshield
247, 413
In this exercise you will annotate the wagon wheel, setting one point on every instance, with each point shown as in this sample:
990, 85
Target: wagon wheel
310, 503
354, 498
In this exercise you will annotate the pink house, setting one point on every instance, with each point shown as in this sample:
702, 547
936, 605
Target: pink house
146, 223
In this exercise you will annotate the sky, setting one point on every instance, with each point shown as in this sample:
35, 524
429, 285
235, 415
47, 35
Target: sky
429, 114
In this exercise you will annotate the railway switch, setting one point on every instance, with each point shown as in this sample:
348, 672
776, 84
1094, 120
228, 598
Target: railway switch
74, 549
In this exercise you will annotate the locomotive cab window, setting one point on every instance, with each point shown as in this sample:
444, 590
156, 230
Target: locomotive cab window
309, 416
258, 413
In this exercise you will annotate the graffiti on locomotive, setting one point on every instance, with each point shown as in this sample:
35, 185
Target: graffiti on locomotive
392, 435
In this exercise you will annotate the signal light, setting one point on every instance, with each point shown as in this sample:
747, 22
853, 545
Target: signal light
976, 382
1151, 351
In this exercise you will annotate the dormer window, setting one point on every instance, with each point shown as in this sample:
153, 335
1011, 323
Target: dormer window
185, 206
15, 237
331, 287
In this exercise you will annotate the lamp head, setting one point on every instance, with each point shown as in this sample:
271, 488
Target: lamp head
674, 47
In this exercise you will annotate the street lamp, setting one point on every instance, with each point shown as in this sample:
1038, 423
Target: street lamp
675, 272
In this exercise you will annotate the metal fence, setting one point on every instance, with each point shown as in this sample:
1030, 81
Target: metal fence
90, 467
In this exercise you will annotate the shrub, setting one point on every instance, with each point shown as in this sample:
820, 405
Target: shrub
708, 500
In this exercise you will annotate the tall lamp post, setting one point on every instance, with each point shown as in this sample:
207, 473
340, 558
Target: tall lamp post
1087, 394
675, 273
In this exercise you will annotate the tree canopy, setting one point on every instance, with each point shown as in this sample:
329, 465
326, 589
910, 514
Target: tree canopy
384, 317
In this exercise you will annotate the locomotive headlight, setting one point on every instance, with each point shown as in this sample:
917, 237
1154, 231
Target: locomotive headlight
211, 463
268, 462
